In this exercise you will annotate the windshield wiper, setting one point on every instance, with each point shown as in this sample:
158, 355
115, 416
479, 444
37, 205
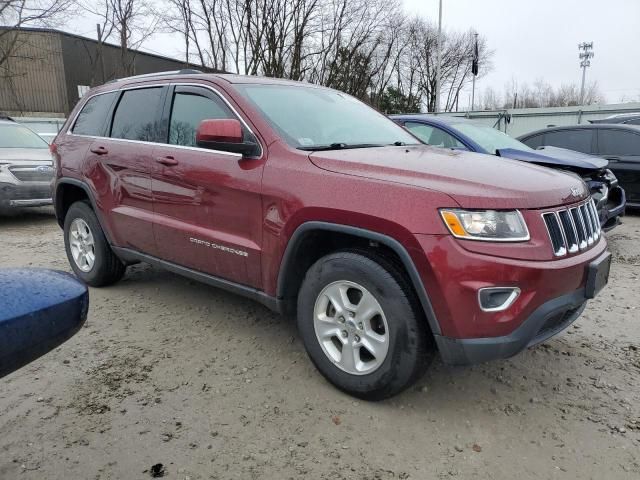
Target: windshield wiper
339, 146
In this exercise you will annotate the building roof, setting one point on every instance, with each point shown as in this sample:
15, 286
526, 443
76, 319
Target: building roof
93, 40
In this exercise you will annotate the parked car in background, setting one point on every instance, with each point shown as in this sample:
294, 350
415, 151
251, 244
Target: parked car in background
46, 127
620, 144
26, 167
309, 201
624, 118
39, 310
462, 134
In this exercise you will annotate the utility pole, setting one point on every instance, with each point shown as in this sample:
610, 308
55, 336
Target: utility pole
586, 53
439, 55
474, 71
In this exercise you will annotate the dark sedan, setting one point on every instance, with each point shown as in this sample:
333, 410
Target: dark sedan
461, 134
618, 143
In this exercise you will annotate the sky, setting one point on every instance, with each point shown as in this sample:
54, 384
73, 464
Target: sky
531, 39
539, 39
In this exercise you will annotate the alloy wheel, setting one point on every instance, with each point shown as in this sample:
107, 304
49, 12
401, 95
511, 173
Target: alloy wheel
351, 327
82, 245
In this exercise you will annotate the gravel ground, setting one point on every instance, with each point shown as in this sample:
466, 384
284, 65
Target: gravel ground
214, 386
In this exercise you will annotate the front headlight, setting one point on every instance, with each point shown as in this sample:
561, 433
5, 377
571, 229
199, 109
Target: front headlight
488, 225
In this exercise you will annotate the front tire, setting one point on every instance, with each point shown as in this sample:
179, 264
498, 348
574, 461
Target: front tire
88, 251
362, 325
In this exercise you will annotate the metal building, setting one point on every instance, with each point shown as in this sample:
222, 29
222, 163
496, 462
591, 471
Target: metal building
49, 70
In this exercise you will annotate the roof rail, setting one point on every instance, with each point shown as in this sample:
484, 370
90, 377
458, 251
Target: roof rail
184, 71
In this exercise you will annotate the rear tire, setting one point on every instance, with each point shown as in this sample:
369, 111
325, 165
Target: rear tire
88, 251
362, 326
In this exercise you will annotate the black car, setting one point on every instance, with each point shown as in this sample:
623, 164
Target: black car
462, 134
618, 143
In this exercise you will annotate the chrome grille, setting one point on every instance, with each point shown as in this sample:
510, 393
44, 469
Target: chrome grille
573, 229
33, 174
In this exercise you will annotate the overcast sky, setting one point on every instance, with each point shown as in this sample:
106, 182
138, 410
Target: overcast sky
531, 39
539, 38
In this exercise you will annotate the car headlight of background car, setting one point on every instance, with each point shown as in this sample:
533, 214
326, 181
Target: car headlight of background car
487, 225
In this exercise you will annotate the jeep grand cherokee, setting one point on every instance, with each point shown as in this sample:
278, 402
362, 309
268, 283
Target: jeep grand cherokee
316, 205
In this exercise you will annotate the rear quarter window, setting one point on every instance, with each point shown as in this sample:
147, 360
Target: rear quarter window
93, 116
618, 142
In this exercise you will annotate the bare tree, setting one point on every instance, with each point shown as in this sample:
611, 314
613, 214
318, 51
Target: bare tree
19, 13
132, 21
362, 47
490, 99
419, 63
542, 94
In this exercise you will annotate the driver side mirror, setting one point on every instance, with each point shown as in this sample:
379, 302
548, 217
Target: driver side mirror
225, 135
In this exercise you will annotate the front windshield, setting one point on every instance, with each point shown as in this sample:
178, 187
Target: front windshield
489, 138
17, 136
309, 118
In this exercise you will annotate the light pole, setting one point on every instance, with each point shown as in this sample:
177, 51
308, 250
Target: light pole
474, 71
586, 53
439, 57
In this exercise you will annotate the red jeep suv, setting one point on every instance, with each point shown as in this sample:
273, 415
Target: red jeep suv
312, 203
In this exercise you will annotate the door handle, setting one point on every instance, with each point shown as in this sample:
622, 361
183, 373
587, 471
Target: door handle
167, 161
99, 150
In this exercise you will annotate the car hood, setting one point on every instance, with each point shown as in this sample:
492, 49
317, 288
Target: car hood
473, 180
557, 158
29, 155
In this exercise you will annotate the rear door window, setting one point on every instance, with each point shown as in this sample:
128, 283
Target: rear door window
618, 142
93, 117
136, 116
188, 110
578, 140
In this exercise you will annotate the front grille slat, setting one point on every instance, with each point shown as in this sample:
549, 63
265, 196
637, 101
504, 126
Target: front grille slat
573, 229
582, 233
555, 234
591, 206
570, 233
587, 223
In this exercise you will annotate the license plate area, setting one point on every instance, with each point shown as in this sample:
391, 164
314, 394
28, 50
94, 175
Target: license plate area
598, 275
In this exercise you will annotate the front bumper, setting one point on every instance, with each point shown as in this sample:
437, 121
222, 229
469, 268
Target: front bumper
546, 321
34, 194
552, 295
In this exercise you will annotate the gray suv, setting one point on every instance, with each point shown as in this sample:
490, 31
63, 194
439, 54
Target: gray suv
26, 167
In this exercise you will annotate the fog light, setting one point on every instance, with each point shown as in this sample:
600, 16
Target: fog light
497, 299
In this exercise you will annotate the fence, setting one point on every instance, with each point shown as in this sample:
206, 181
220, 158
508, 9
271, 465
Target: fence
519, 121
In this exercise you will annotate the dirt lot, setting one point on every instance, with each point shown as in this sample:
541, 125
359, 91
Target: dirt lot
214, 386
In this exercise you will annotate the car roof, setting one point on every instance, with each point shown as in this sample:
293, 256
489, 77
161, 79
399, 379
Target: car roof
190, 75
590, 126
434, 119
